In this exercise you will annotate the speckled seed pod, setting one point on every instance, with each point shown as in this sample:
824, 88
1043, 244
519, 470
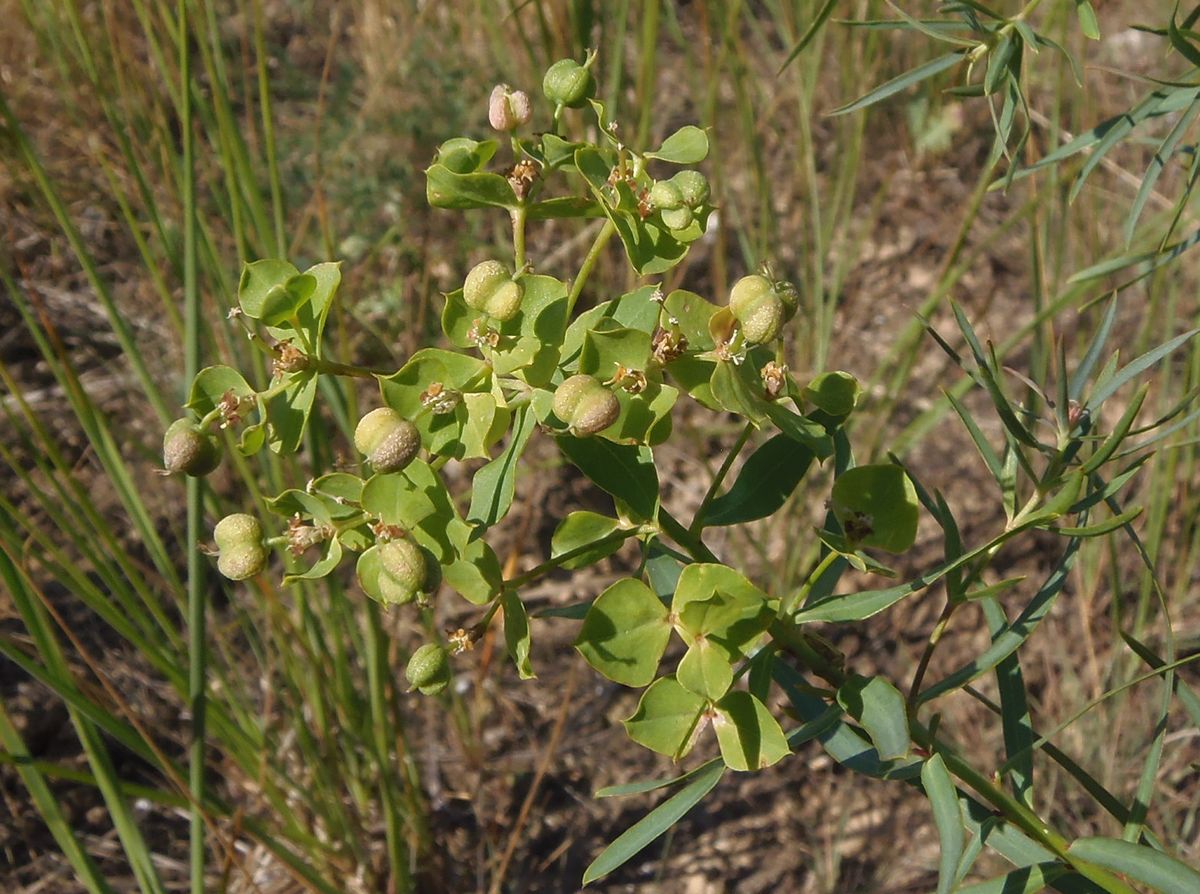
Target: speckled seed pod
428, 669
692, 186
568, 83
490, 288
188, 450
404, 570
585, 405
243, 561
665, 195
678, 218
237, 530
387, 440
757, 308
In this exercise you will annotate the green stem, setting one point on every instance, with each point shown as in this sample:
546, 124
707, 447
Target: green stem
585, 269
790, 637
549, 565
935, 636
197, 641
518, 222
719, 478
800, 595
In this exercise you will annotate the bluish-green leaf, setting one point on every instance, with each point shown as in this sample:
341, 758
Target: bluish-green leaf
1143, 864
516, 633
901, 82
764, 483
879, 707
947, 817
634, 839
494, 485
622, 470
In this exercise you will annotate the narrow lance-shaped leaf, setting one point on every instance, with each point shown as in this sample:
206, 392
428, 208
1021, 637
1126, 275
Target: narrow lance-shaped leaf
634, 839
902, 82
947, 817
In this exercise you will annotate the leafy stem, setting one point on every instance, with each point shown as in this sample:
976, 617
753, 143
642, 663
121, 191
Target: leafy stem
719, 478
585, 269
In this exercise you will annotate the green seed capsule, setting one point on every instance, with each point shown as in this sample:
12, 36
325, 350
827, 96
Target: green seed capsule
188, 450
693, 186
387, 440
428, 669
242, 561
757, 307
678, 218
404, 571
237, 530
568, 83
585, 405
665, 195
490, 288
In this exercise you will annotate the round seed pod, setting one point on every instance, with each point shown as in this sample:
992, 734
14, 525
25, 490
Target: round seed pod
387, 440
665, 195
405, 571
188, 450
508, 109
242, 561
585, 405
757, 307
678, 218
237, 530
490, 288
428, 669
693, 186
568, 83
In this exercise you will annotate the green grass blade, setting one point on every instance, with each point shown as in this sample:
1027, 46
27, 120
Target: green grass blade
901, 82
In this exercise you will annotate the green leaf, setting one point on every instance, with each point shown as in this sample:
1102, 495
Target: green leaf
633, 310
737, 388
880, 708
604, 349
212, 384
257, 282
717, 603
624, 471
516, 633
706, 668
325, 565
764, 484
947, 816
1007, 639
314, 313
1023, 880
749, 737
583, 528
667, 718
836, 393
466, 156
650, 785
1088, 23
441, 433
877, 507
416, 500
625, 633
494, 485
638, 836
902, 82
446, 189
687, 146
1163, 873
1104, 390
288, 412
814, 27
